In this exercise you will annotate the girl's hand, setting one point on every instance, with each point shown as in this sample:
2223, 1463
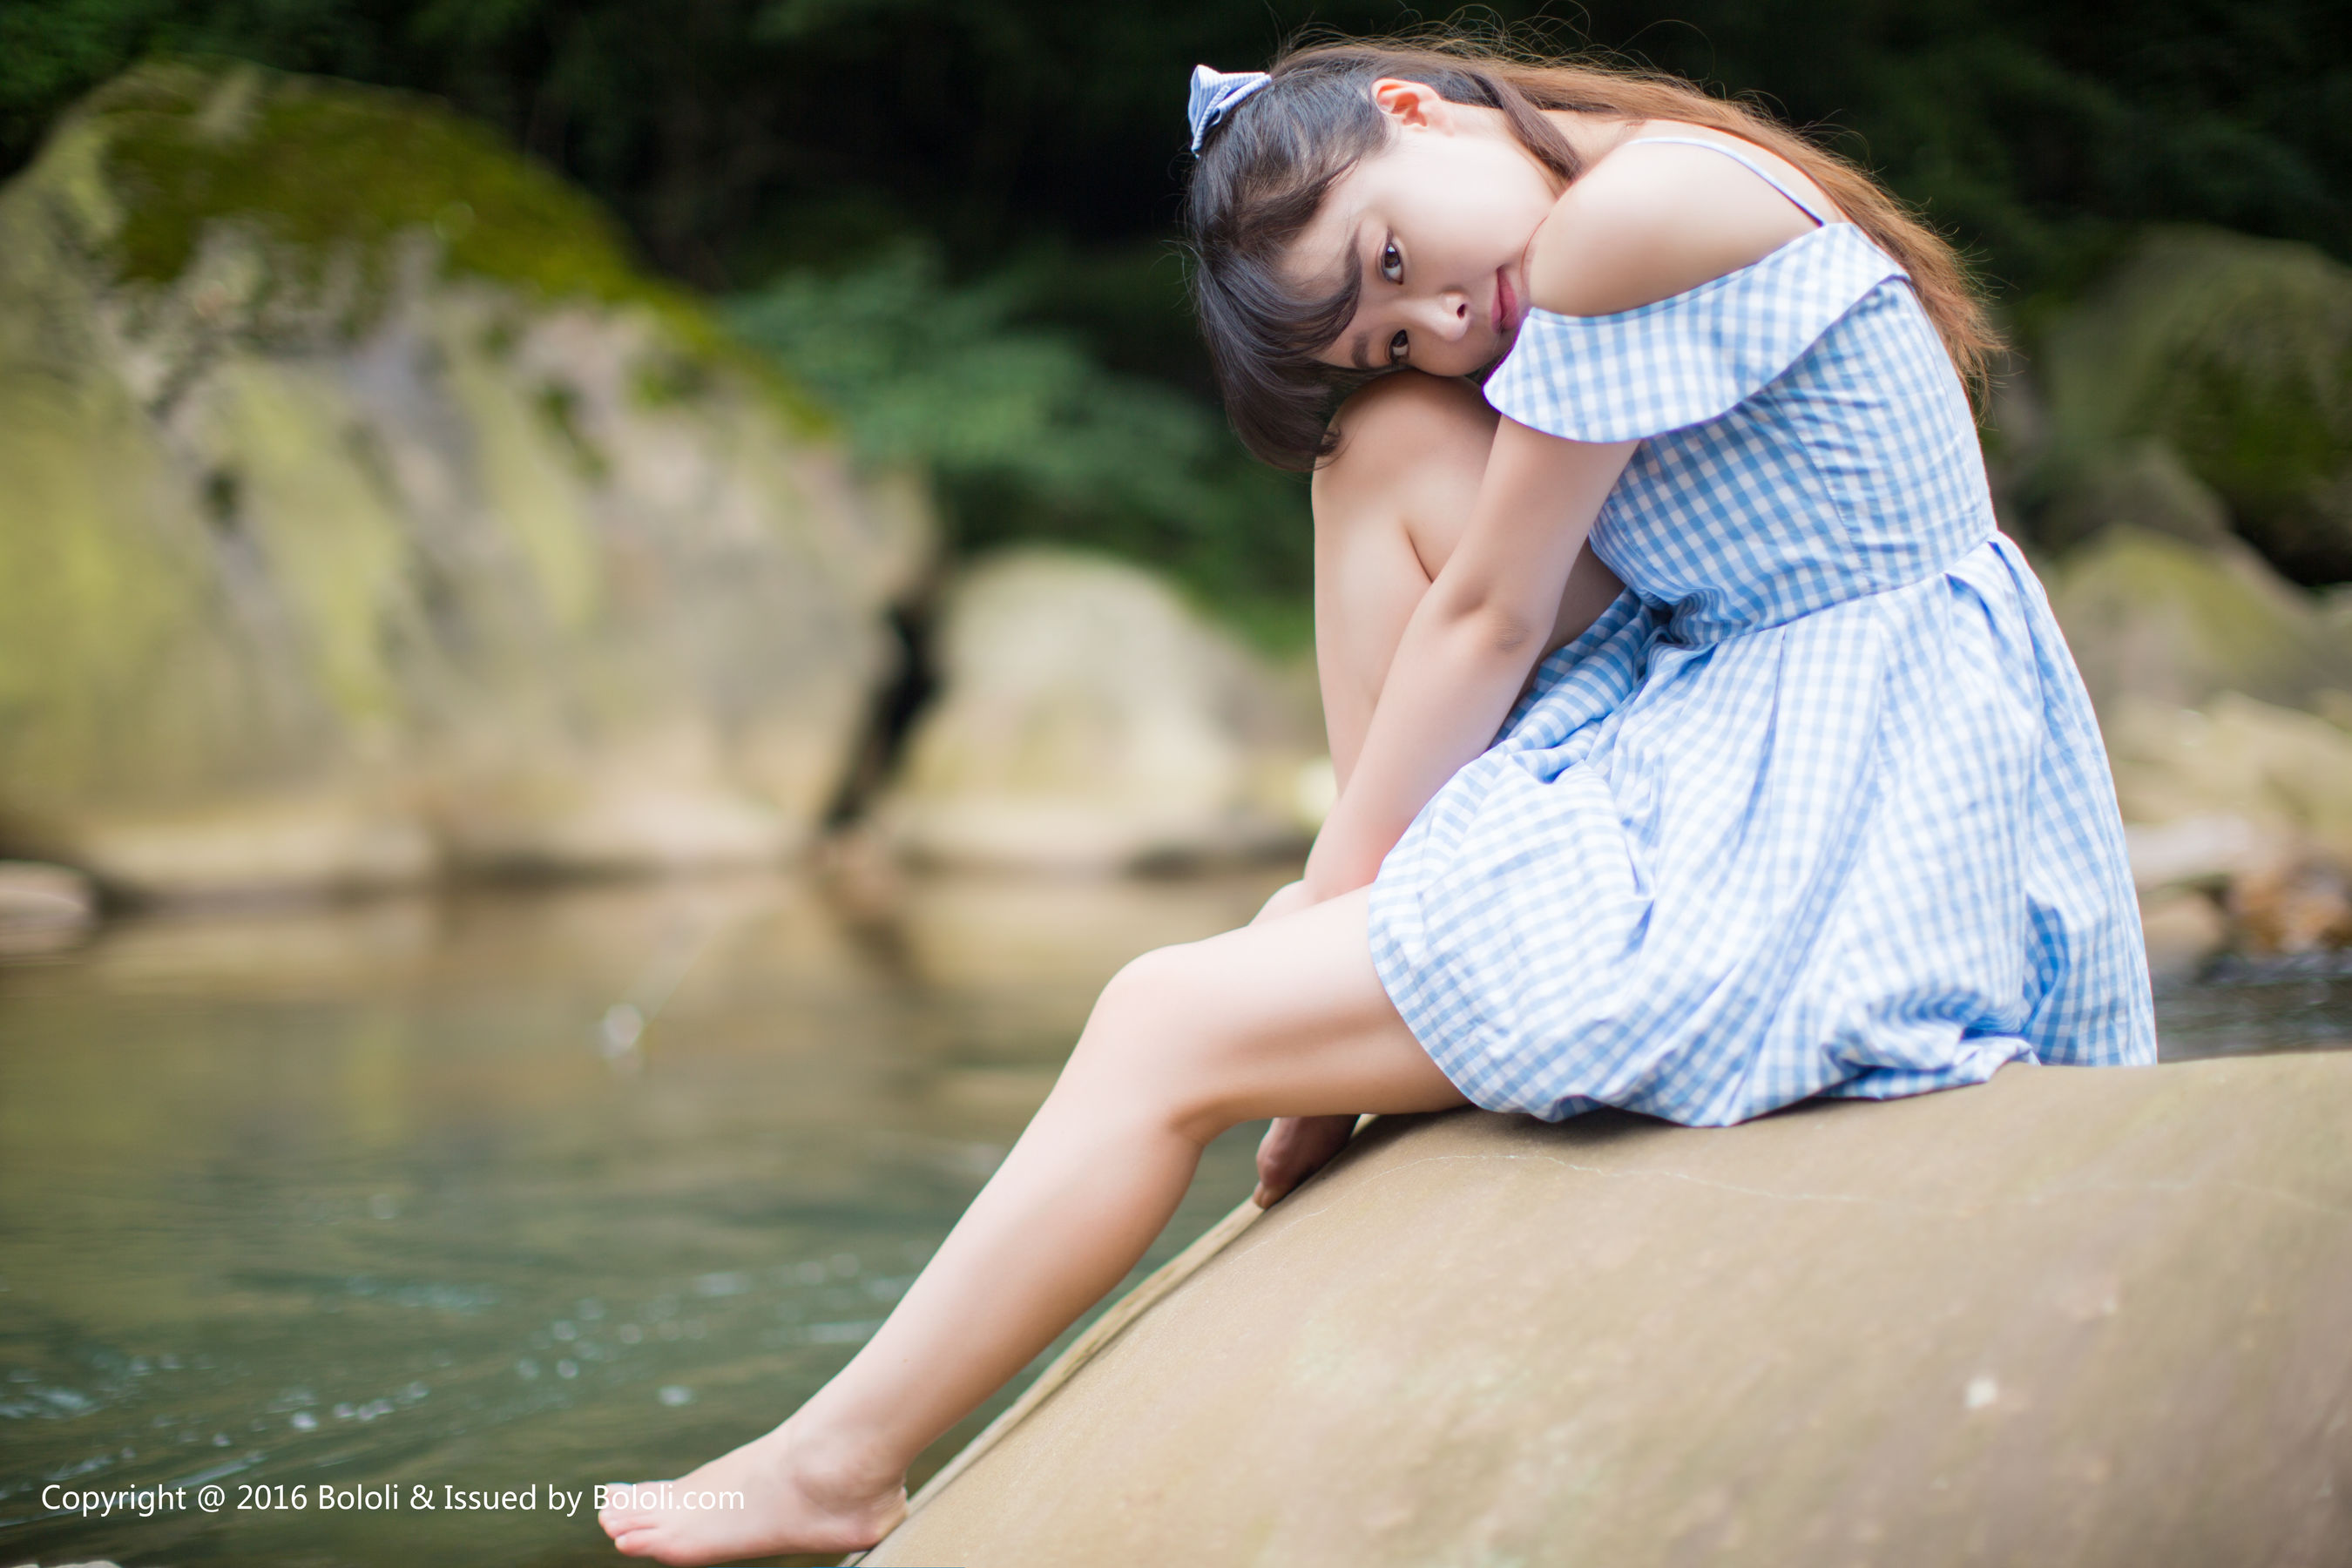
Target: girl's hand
1295, 1148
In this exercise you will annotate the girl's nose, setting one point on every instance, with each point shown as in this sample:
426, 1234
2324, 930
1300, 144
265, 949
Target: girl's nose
1449, 315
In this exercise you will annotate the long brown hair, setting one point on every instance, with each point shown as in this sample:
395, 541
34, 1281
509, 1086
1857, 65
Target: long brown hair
1265, 170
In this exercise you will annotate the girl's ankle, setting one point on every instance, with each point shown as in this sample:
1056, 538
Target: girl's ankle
833, 1467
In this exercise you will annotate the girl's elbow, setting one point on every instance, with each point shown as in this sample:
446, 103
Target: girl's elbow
1496, 633
1513, 635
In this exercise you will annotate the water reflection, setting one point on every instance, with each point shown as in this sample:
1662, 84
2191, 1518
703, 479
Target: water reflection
2301, 1003
503, 1191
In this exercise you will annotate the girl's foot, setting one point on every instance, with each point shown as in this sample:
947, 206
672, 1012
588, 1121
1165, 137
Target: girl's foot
768, 1497
1295, 1147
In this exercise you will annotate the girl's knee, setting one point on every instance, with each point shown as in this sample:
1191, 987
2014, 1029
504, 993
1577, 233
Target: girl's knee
1407, 419
1407, 437
1142, 1016
1150, 980
1150, 1042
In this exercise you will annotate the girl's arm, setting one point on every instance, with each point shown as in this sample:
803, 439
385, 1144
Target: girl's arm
1466, 651
1630, 232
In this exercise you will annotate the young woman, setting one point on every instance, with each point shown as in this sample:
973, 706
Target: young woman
1702, 745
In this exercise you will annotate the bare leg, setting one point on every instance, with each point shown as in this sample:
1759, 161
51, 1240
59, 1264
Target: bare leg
1388, 508
1283, 1017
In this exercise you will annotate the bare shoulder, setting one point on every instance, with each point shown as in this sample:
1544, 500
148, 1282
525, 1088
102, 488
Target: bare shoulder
1648, 222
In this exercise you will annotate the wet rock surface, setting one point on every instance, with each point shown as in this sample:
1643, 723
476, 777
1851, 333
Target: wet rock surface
2098, 1316
35, 896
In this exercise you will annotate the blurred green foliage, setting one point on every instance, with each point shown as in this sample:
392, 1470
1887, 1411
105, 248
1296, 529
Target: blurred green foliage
1034, 150
732, 133
1029, 435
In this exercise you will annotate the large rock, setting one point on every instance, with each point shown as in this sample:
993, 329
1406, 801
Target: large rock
2232, 353
43, 908
2230, 804
2287, 776
1088, 720
2244, 801
367, 513
2142, 485
2183, 929
2092, 1317
2155, 618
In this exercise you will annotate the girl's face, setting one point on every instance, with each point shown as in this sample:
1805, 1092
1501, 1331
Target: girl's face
1436, 229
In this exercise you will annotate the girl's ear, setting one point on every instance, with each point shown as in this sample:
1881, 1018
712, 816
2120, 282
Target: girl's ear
1412, 105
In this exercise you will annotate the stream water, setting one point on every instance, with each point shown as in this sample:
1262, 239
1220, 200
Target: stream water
528, 1190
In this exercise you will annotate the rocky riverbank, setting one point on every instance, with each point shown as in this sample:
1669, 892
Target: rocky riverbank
2181, 454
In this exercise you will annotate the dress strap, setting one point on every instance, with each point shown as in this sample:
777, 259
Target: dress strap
1754, 165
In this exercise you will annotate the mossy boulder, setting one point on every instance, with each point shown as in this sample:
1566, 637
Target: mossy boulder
2231, 354
2142, 486
370, 514
2156, 619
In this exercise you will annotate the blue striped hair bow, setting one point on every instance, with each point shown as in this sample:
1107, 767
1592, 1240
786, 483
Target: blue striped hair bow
1214, 95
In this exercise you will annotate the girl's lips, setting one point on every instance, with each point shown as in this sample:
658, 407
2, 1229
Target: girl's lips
1507, 307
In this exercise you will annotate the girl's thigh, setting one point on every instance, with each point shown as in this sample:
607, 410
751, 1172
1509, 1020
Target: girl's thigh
1285, 1017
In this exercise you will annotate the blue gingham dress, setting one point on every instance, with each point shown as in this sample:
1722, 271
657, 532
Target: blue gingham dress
1818, 806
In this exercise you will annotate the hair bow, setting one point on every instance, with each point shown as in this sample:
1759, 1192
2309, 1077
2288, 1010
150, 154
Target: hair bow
1214, 94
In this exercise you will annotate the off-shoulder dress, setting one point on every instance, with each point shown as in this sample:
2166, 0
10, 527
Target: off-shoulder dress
1819, 805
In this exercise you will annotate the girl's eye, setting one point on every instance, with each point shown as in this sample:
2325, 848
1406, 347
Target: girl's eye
1391, 262
1398, 347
